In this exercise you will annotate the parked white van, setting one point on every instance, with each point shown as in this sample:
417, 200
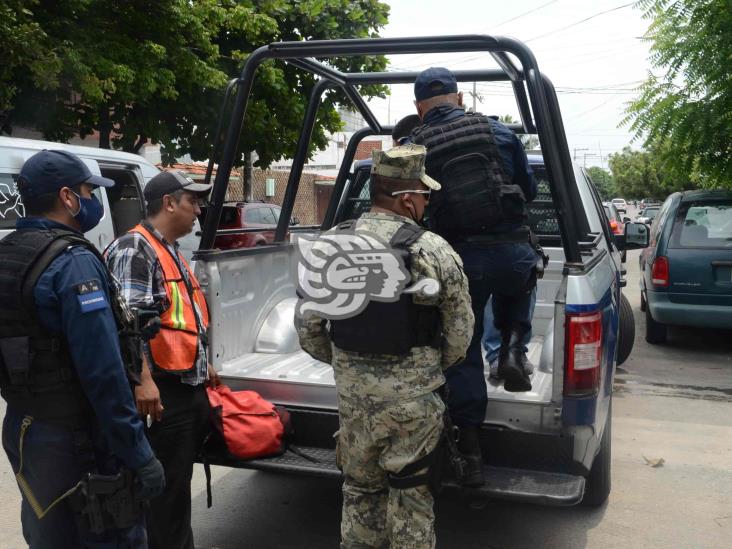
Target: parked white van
123, 203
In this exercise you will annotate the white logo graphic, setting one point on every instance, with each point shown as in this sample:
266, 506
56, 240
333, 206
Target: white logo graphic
338, 274
10, 202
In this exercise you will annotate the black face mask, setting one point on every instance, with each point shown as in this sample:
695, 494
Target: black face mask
413, 217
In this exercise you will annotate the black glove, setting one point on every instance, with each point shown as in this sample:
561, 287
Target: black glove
150, 479
150, 329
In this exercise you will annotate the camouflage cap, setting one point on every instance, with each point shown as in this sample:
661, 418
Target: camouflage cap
405, 162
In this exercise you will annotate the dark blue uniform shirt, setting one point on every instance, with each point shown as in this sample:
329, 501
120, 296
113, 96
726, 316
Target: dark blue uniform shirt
87, 322
509, 146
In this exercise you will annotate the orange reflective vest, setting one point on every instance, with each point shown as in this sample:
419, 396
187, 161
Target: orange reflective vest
175, 347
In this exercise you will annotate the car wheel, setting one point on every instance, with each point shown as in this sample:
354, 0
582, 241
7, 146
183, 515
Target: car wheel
626, 332
597, 485
655, 331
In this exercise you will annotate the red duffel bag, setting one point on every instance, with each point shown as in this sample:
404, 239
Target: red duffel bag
249, 426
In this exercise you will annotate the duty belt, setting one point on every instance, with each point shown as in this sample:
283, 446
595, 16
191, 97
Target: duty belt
518, 236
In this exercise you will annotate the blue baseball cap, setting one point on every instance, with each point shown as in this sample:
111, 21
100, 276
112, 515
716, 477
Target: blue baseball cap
433, 82
48, 171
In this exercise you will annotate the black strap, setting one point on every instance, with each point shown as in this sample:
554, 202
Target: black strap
406, 235
408, 477
207, 472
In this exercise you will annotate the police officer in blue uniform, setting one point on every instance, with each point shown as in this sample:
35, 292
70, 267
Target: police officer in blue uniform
70, 409
481, 211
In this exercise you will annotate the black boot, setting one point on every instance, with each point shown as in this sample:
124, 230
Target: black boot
512, 364
469, 446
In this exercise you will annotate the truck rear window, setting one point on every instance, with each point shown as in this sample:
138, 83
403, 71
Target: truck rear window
703, 225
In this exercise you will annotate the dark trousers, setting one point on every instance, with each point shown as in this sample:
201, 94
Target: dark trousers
54, 460
176, 441
503, 271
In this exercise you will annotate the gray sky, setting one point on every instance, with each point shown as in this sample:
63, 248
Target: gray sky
603, 53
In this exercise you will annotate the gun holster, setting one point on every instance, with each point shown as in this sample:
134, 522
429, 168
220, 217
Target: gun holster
449, 457
106, 502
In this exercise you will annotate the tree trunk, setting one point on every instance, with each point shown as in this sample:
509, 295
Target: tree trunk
105, 128
141, 140
247, 178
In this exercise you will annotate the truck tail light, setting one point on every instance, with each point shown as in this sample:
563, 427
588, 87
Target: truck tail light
659, 272
583, 353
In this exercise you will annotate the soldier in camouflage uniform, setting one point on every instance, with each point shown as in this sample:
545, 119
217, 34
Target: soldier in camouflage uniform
391, 419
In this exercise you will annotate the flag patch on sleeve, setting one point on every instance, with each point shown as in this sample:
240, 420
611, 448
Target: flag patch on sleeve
90, 296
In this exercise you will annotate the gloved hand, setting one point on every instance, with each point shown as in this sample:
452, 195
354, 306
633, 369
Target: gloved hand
150, 479
150, 329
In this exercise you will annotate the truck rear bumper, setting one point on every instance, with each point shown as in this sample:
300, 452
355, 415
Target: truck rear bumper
539, 487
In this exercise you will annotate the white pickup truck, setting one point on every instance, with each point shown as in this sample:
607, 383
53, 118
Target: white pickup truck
550, 445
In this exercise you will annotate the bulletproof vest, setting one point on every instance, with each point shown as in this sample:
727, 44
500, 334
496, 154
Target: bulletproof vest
390, 328
477, 195
37, 374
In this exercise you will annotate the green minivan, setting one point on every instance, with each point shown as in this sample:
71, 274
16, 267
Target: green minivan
686, 272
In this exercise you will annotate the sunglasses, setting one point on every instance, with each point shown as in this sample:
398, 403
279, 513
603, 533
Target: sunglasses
427, 192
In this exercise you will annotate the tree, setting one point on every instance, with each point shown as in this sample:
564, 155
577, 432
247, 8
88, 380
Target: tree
641, 174
685, 110
139, 71
604, 182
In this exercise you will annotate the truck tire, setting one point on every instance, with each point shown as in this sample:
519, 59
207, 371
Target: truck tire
655, 331
626, 331
597, 485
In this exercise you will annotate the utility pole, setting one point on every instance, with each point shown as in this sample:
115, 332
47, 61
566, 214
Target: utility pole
574, 152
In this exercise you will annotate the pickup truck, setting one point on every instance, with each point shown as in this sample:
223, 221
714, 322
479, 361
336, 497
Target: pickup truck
550, 445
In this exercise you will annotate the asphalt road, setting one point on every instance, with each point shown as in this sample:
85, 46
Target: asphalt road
671, 402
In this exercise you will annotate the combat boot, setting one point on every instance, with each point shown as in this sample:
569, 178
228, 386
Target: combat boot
513, 367
469, 446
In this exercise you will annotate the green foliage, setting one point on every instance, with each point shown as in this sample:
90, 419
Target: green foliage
604, 182
141, 70
686, 106
646, 174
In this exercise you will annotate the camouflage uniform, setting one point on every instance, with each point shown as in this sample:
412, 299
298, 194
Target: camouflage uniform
390, 415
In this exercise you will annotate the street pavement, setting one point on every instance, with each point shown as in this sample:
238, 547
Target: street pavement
671, 401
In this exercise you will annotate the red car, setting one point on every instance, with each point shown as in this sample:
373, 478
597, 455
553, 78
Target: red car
247, 215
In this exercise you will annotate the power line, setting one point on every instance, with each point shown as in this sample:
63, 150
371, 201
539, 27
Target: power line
524, 14
579, 22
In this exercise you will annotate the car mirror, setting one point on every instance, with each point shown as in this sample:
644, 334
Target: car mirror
635, 236
627, 220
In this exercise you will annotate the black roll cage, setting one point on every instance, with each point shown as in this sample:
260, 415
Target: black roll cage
534, 93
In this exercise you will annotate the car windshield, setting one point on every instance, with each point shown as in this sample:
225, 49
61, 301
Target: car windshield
703, 225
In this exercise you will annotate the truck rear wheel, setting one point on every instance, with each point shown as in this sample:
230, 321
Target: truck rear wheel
655, 331
626, 331
597, 486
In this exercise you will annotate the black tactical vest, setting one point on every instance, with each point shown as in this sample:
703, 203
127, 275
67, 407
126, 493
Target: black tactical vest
37, 374
477, 194
390, 328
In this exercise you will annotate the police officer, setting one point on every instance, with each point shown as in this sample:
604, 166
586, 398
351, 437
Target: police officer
388, 361
69, 406
481, 212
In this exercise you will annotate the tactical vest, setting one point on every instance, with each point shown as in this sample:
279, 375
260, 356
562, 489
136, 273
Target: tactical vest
390, 328
37, 374
477, 195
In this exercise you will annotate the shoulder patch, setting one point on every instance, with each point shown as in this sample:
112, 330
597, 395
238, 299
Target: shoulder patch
90, 296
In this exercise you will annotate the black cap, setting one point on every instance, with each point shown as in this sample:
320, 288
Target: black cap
433, 82
48, 171
169, 182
